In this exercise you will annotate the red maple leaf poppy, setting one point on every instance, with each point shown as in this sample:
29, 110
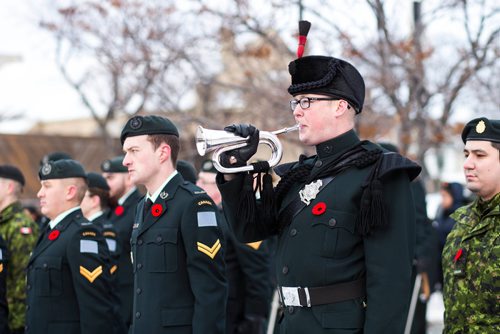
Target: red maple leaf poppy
457, 255
54, 235
156, 210
119, 210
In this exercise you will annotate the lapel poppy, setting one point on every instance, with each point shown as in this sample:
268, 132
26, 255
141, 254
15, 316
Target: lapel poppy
156, 210
458, 255
319, 209
119, 210
53, 235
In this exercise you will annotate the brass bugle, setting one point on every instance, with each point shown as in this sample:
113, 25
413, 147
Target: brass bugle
221, 141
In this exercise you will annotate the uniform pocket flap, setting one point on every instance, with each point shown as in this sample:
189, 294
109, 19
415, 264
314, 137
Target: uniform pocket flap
49, 263
161, 236
177, 317
335, 219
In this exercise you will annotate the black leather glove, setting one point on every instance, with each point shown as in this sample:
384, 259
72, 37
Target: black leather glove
240, 156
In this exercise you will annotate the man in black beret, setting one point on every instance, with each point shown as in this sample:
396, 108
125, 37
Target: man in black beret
123, 199
69, 280
470, 254
19, 232
177, 239
248, 267
187, 170
345, 217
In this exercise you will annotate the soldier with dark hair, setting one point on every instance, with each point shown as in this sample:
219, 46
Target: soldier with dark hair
471, 265
177, 240
248, 267
123, 199
345, 217
19, 233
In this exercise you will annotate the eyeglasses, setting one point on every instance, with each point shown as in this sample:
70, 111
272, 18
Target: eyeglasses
305, 102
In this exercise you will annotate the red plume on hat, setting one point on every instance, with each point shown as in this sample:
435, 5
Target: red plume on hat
304, 27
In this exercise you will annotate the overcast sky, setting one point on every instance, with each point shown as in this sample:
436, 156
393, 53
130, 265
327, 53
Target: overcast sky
33, 85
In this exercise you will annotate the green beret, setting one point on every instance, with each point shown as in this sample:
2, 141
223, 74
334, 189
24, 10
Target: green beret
114, 165
482, 129
12, 173
148, 125
95, 180
187, 171
207, 166
61, 169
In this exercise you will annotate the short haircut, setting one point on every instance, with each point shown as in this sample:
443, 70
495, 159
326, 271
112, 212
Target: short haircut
170, 140
102, 194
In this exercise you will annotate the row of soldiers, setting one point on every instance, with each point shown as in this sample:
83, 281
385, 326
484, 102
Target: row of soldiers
80, 274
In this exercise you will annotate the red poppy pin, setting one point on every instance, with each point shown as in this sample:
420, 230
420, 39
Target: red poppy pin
458, 255
156, 210
119, 210
319, 209
54, 235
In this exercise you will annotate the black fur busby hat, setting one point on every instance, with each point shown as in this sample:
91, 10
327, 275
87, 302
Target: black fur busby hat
327, 76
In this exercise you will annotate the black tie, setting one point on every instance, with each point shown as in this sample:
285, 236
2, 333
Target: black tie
147, 207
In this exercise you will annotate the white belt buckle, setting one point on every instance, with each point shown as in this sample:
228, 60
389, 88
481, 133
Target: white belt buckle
290, 296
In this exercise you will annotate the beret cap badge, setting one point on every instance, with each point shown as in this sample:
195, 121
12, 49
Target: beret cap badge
46, 169
106, 165
480, 127
136, 122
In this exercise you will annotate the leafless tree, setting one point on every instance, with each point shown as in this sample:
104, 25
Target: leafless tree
124, 56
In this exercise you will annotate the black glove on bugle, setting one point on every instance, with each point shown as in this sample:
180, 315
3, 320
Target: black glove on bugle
239, 157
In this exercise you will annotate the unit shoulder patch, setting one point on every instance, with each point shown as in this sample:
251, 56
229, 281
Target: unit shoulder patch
206, 218
89, 246
204, 202
89, 234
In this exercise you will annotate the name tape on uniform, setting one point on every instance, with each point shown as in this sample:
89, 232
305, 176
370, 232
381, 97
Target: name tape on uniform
206, 219
88, 246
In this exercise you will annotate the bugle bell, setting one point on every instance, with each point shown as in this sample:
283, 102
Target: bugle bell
221, 141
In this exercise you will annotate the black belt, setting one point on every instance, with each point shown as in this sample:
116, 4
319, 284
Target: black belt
307, 297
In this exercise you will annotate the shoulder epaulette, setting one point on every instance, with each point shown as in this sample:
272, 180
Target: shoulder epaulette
392, 162
192, 188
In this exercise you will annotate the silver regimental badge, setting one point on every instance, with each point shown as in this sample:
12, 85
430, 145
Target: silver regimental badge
46, 169
310, 191
163, 195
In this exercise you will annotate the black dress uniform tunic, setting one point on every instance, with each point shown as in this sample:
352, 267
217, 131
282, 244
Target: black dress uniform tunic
321, 247
178, 262
122, 217
68, 284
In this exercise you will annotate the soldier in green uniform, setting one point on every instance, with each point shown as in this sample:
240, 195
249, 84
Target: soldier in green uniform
177, 241
4, 309
124, 197
69, 281
248, 268
19, 233
344, 217
471, 265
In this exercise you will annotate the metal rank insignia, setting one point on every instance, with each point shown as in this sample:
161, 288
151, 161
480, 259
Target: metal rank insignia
310, 191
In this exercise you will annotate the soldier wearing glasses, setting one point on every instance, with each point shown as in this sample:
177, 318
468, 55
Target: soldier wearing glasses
344, 217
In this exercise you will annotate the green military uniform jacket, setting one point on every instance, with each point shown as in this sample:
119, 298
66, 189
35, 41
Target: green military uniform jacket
4, 310
178, 262
69, 282
471, 269
20, 234
122, 217
321, 247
